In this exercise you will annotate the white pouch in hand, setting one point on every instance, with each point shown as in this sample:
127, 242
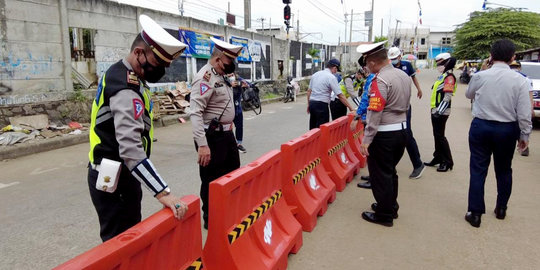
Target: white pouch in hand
109, 172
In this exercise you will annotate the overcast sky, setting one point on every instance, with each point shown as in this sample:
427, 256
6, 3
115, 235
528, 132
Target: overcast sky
326, 16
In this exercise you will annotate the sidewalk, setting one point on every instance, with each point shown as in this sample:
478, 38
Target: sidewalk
42, 145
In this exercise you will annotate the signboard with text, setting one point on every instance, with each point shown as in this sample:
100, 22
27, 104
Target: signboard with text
199, 44
244, 42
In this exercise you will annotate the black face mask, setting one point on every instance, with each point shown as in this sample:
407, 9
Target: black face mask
229, 68
152, 73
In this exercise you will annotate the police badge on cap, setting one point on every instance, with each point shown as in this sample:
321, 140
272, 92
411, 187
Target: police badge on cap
165, 46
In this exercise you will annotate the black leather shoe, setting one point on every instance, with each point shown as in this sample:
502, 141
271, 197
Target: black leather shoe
500, 213
474, 219
443, 167
432, 163
365, 177
364, 185
378, 219
394, 214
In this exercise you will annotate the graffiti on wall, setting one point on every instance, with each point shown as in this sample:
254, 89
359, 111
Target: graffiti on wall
26, 68
30, 98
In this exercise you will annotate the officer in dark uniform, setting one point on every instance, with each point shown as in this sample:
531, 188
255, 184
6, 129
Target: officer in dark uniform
212, 115
122, 131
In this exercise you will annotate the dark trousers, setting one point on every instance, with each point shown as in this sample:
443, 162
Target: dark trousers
385, 152
442, 152
337, 109
412, 147
318, 114
116, 211
224, 158
486, 138
238, 124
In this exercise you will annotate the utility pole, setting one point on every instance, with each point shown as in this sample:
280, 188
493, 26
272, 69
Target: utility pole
262, 22
298, 26
395, 32
181, 7
350, 37
247, 14
370, 33
345, 38
382, 22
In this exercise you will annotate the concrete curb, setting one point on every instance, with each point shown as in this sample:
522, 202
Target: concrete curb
24, 149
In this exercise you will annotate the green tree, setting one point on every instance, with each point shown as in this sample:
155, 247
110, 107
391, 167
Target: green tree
381, 38
475, 37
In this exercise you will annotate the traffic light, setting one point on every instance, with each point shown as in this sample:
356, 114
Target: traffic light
286, 2
287, 12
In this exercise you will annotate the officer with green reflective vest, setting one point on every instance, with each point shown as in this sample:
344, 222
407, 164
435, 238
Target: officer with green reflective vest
121, 133
441, 100
349, 86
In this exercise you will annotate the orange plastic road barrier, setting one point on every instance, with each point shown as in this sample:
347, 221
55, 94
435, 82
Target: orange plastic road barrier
336, 154
355, 140
158, 242
250, 223
306, 185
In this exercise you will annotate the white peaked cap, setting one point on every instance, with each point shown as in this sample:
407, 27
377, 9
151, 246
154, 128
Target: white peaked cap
367, 49
163, 44
227, 48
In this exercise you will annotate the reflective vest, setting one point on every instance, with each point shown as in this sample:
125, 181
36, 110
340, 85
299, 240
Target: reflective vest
103, 143
356, 85
437, 93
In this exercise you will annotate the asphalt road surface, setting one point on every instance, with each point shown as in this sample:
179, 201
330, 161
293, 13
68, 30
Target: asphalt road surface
46, 216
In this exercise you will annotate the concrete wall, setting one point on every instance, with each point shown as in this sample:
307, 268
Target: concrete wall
31, 58
35, 60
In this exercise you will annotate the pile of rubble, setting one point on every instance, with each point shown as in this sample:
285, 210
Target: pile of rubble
171, 101
26, 128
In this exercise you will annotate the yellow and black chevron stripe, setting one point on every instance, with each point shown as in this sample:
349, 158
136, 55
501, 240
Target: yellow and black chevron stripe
357, 134
196, 265
337, 147
242, 227
311, 166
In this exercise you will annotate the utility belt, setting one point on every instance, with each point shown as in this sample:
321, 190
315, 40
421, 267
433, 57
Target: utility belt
215, 126
393, 127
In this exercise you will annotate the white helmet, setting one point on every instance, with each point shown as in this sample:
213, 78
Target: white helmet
442, 56
393, 53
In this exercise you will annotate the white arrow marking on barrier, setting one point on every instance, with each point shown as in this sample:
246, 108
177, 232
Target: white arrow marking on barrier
268, 232
344, 158
8, 185
313, 182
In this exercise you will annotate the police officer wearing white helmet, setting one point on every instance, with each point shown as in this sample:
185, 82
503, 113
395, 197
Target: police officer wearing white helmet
212, 115
121, 133
441, 101
394, 54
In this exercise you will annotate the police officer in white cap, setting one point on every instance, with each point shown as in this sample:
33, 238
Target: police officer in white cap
212, 115
121, 133
385, 135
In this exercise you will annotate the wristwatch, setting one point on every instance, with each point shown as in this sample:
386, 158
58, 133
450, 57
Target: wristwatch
164, 192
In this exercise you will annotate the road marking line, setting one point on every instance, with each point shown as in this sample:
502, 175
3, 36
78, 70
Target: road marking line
8, 185
38, 170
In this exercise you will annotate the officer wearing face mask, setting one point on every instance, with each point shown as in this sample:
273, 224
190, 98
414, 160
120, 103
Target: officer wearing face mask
212, 115
121, 133
441, 101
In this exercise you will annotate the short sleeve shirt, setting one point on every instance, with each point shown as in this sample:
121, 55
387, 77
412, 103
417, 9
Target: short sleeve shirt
322, 84
407, 67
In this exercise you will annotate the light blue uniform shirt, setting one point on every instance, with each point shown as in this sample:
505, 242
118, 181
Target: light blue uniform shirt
322, 84
501, 94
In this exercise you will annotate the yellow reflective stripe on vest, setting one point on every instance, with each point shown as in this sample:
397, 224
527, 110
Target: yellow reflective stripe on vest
94, 138
344, 88
148, 106
439, 84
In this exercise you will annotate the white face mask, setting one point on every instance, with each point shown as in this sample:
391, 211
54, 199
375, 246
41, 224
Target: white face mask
395, 62
440, 69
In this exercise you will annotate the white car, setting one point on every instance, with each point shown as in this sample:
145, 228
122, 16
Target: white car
532, 70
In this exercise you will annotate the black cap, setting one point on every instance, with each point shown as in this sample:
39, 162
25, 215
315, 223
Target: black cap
336, 63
